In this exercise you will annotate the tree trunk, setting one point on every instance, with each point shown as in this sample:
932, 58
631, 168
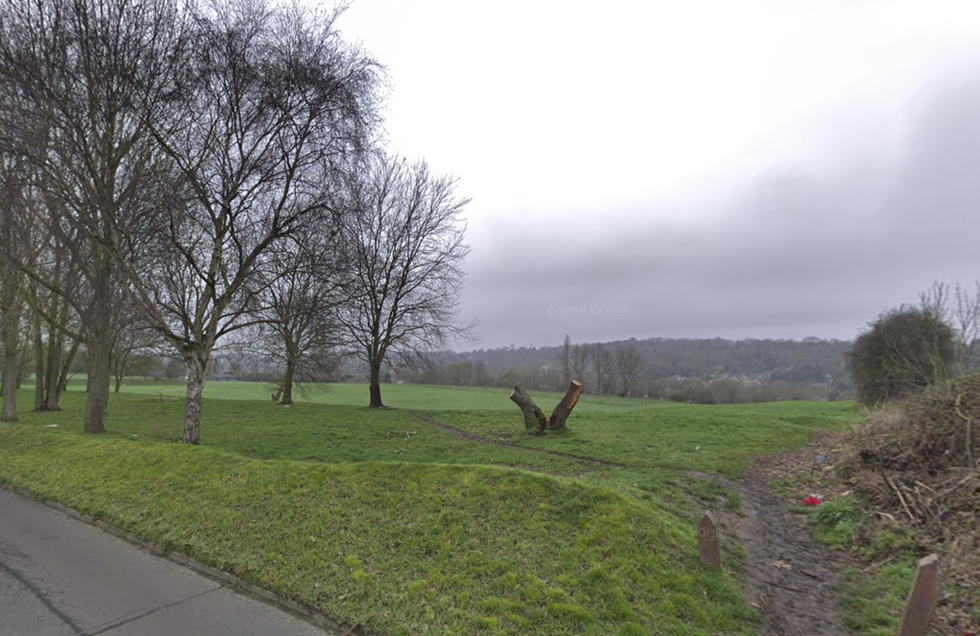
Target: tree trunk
287, 383
534, 419
98, 338
38, 365
11, 363
52, 370
56, 390
375, 388
99, 380
197, 367
564, 408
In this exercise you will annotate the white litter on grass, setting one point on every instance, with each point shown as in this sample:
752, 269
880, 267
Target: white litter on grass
50, 426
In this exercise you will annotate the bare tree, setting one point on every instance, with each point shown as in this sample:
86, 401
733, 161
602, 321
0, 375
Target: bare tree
959, 307
77, 65
581, 355
270, 103
460, 373
565, 361
628, 363
133, 338
299, 307
55, 293
12, 206
604, 367
482, 375
406, 239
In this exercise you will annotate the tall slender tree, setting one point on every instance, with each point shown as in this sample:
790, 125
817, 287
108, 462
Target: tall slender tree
628, 364
405, 237
299, 309
12, 210
565, 361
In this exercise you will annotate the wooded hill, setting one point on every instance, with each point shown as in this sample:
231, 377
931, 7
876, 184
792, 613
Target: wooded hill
700, 370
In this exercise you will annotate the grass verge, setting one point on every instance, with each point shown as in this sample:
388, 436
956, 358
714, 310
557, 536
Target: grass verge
400, 548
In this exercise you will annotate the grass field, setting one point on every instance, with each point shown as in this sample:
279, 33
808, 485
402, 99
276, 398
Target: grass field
381, 519
405, 396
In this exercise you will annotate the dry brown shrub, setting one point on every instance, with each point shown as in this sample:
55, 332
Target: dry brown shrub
918, 463
933, 431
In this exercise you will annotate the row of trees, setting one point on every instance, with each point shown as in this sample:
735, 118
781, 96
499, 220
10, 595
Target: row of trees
607, 370
614, 369
722, 390
174, 176
810, 360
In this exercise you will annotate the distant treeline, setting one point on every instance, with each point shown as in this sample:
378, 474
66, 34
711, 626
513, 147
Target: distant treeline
708, 371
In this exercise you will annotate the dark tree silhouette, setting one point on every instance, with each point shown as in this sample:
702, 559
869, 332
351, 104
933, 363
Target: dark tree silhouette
270, 104
903, 351
77, 67
300, 330
405, 239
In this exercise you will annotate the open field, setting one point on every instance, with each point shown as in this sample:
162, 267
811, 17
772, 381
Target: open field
405, 396
383, 519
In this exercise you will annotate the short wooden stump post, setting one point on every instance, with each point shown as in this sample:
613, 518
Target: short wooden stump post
708, 543
923, 597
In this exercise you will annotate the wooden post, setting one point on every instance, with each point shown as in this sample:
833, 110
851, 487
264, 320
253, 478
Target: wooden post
923, 597
708, 543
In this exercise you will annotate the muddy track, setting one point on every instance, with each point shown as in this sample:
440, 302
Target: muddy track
786, 575
482, 440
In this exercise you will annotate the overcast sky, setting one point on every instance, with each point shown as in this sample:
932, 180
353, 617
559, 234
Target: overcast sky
781, 169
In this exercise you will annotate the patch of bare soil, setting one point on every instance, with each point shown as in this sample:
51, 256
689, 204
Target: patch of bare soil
791, 579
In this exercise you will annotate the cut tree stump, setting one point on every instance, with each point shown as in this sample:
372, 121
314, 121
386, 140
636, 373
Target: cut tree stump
534, 419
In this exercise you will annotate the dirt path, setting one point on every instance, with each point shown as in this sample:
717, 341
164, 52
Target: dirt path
791, 579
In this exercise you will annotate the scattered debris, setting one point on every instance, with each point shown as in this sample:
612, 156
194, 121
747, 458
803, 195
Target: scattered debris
407, 434
917, 463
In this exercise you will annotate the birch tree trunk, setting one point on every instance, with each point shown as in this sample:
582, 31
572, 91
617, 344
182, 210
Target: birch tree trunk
197, 368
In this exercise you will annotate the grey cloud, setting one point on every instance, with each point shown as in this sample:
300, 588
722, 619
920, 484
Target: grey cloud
798, 253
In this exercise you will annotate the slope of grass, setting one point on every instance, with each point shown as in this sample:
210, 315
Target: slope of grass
401, 548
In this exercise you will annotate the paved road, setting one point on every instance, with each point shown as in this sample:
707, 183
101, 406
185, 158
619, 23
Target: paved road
62, 577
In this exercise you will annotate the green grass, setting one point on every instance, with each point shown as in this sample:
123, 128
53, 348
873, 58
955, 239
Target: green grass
838, 521
871, 603
714, 438
406, 396
376, 517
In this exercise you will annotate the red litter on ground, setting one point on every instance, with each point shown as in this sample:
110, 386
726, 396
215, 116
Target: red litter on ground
812, 500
